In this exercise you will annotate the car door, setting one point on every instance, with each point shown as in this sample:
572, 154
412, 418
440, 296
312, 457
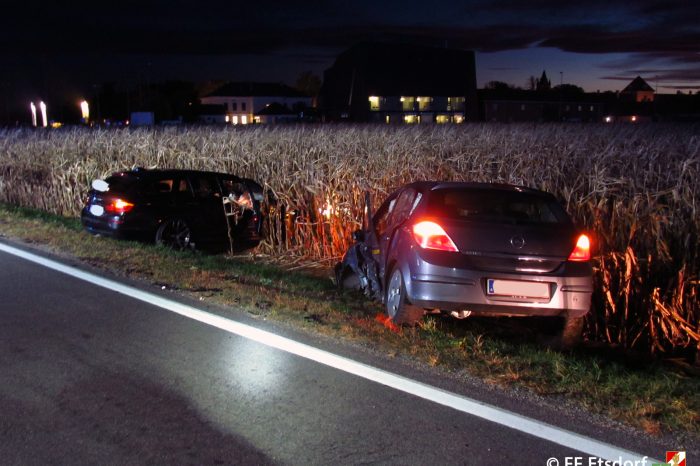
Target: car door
160, 193
206, 208
399, 213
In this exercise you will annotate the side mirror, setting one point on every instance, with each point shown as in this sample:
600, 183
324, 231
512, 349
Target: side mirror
358, 236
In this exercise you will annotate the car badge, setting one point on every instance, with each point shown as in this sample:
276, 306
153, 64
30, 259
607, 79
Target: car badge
517, 242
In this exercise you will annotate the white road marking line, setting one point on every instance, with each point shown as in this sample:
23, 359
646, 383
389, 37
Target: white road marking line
467, 405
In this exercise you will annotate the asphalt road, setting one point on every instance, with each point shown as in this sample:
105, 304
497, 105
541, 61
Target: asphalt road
89, 376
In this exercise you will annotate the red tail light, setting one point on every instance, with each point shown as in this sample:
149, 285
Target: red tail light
582, 251
430, 235
119, 206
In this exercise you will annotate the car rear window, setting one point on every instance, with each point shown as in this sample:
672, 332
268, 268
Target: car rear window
495, 206
122, 183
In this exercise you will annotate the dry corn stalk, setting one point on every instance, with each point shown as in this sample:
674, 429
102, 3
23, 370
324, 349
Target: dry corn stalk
635, 187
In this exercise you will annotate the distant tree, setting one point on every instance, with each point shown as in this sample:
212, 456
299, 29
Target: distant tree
569, 89
308, 83
498, 86
531, 83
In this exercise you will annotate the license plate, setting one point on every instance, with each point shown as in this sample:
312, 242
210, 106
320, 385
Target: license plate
517, 288
97, 210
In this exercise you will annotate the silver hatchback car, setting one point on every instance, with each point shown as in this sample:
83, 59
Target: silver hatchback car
472, 248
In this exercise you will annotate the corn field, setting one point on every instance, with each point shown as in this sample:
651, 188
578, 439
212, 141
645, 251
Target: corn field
635, 188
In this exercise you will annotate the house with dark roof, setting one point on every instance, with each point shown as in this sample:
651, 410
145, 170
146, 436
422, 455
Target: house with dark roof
243, 101
562, 103
400, 83
637, 91
276, 113
211, 113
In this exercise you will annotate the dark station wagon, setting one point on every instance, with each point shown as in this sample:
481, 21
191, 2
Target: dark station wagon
177, 208
472, 248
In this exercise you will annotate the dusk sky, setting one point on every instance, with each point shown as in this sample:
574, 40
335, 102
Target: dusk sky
598, 45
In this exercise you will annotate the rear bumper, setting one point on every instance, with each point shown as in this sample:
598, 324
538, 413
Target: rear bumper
113, 226
451, 289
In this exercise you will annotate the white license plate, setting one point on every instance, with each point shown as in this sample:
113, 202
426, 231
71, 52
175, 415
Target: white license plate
97, 210
517, 288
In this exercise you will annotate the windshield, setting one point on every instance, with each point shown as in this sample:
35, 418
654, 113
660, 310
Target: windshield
495, 206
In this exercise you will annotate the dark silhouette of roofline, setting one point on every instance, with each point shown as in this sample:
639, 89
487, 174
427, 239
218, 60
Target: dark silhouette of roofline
255, 89
638, 85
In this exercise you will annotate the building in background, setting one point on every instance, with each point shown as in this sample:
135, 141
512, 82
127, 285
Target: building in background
636, 103
243, 101
399, 83
637, 91
277, 113
212, 113
556, 104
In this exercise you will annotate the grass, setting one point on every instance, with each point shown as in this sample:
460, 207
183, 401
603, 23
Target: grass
506, 352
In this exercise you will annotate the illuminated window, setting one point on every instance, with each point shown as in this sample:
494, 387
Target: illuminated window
407, 103
455, 104
388, 120
244, 119
410, 119
424, 103
373, 102
459, 119
234, 120
256, 119
226, 118
441, 119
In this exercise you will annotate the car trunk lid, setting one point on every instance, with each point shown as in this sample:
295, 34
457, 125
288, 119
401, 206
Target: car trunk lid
511, 248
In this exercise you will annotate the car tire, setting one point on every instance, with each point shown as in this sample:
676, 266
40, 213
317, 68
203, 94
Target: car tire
571, 334
397, 307
175, 234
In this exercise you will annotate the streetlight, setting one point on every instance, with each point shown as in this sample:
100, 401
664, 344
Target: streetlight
44, 120
85, 111
33, 108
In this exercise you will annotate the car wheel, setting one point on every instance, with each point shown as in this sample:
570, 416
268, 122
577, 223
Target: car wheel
175, 234
399, 310
571, 333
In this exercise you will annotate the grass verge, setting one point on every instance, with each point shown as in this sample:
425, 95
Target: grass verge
647, 394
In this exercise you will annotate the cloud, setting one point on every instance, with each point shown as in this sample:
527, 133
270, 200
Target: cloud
665, 76
656, 34
618, 78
